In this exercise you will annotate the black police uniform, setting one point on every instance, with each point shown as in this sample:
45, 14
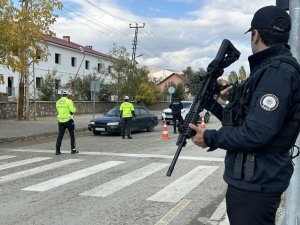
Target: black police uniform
255, 172
176, 106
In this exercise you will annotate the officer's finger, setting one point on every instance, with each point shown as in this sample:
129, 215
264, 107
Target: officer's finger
193, 127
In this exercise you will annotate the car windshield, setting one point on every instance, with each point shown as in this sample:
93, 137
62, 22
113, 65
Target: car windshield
113, 112
186, 104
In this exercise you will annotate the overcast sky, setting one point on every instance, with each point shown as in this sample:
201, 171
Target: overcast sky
177, 33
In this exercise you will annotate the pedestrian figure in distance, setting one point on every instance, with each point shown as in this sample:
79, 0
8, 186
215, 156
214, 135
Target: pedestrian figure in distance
176, 107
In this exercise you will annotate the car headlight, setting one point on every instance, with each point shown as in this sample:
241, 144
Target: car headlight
92, 123
113, 124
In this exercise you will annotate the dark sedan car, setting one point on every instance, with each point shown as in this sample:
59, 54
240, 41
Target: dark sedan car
112, 123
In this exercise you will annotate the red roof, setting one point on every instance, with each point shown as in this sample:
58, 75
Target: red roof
180, 76
70, 44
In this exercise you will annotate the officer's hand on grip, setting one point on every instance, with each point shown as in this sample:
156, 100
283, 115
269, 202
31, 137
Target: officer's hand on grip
224, 94
198, 139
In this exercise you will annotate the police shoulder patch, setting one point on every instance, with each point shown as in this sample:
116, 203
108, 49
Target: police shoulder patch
269, 102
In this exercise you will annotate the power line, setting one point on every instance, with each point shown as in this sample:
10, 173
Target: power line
109, 13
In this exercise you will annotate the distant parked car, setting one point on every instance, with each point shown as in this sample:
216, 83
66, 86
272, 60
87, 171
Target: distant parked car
112, 123
168, 116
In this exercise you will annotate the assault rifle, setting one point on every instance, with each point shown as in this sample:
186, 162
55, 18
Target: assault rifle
208, 89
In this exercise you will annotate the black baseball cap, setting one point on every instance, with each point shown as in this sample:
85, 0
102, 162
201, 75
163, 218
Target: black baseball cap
271, 18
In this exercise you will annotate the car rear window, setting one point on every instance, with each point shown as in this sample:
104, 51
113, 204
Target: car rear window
186, 104
113, 112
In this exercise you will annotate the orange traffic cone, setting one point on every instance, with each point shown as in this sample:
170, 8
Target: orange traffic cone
165, 134
202, 122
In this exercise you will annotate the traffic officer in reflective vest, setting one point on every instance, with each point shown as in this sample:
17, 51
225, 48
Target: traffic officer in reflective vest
126, 113
65, 110
264, 115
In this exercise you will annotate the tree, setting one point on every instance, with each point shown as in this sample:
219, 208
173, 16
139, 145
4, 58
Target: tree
193, 79
129, 79
233, 77
48, 89
23, 41
179, 90
147, 93
242, 74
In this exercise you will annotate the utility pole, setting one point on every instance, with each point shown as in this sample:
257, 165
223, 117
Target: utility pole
23, 78
292, 200
136, 26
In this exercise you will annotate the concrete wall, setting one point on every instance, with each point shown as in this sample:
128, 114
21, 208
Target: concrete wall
8, 110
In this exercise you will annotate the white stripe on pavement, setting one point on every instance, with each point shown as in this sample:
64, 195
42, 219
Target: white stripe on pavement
214, 159
219, 217
7, 157
182, 186
58, 181
36, 170
22, 162
173, 212
124, 181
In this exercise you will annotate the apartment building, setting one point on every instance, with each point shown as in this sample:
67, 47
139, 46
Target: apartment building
67, 58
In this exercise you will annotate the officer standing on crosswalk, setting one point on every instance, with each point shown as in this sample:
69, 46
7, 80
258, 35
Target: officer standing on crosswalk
65, 114
127, 114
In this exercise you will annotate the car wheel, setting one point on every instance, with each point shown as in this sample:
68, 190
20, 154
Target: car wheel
96, 132
168, 123
206, 117
150, 127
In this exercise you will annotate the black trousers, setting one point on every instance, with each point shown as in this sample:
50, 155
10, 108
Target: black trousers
175, 118
61, 131
251, 208
126, 126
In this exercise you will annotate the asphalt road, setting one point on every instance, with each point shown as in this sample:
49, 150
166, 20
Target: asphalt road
111, 181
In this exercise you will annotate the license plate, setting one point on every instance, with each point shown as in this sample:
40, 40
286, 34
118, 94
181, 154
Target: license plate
169, 116
100, 129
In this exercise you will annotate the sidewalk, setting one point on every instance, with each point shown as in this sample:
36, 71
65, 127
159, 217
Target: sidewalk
13, 130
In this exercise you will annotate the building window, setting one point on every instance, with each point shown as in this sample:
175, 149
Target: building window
73, 61
109, 69
57, 84
87, 64
38, 82
99, 67
57, 58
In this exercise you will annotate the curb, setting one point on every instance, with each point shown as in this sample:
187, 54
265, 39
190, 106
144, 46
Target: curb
34, 136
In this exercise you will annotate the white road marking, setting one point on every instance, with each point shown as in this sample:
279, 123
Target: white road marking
7, 157
220, 214
36, 170
58, 181
22, 162
173, 212
182, 186
213, 159
124, 181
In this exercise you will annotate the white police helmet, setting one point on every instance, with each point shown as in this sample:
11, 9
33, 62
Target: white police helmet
126, 97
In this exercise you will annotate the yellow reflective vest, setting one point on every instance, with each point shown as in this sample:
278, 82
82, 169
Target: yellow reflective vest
65, 108
126, 109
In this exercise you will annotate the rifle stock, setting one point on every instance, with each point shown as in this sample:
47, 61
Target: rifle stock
226, 55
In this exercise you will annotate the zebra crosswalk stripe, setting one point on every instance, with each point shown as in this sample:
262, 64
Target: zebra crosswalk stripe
175, 191
22, 162
7, 157
58, 181
124, 181
36, 170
